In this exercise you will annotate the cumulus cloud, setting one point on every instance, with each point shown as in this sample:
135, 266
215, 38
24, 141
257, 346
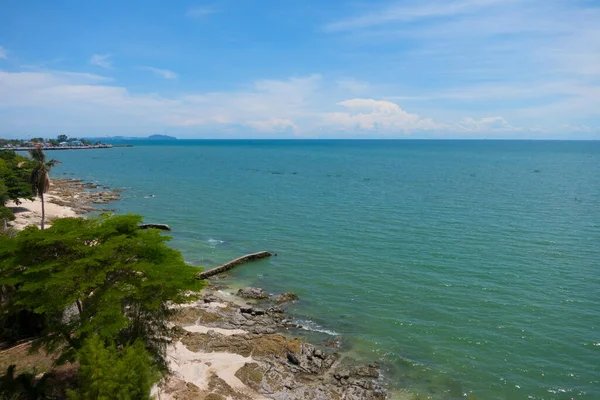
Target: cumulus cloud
302, 106
165, 73
378, 115
102, 60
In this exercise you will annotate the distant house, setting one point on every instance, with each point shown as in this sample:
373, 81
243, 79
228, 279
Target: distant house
76, 143
63, 144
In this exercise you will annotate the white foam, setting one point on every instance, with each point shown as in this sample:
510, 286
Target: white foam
314, 327
214, 242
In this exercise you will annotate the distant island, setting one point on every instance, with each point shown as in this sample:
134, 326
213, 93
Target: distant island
161, 137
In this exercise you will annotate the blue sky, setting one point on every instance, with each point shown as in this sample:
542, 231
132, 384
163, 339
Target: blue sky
301, 68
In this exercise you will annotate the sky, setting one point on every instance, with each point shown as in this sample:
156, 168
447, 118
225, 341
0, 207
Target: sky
465, 69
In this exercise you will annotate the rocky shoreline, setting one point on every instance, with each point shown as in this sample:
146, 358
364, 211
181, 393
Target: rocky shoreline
229, 345
82, 197
264, 362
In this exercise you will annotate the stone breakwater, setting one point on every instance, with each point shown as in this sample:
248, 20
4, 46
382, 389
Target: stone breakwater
236, 347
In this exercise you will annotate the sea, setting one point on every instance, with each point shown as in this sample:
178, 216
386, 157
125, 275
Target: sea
467, 269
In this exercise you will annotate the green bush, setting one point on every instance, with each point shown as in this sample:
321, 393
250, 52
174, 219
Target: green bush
106, 373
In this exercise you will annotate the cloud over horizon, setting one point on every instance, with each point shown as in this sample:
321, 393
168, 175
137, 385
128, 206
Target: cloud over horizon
386, 68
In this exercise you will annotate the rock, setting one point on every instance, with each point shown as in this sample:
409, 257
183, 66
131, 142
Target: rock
341, 374
286, 298
252, 293
209, 298
292, 358
365, 371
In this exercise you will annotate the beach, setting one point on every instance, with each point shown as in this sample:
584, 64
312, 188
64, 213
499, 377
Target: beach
66, 198
227, 344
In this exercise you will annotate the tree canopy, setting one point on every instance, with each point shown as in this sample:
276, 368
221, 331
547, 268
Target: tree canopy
15, 172
97, 276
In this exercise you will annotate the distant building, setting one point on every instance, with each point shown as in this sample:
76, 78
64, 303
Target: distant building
76, 143
63, 144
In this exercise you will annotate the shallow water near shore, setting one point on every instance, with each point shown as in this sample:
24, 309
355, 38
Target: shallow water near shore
470, 268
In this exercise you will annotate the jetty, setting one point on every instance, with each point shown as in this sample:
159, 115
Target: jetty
234, 263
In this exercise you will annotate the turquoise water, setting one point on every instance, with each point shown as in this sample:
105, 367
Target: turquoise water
467, 267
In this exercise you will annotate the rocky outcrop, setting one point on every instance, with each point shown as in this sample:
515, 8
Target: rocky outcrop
286, 298
80, 195
277, 366
252, 293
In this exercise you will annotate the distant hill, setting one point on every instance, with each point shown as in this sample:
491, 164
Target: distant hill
161, 137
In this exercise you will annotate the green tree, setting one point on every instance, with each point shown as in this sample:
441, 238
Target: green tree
40, 178
120, 278
106, 373
15, 172
6, 215
62, 138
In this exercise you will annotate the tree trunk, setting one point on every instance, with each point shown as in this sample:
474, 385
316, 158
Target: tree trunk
4, 221
79, 307
43, 210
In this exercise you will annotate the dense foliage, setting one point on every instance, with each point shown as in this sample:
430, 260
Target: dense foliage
106, 373
15, 172
98, 276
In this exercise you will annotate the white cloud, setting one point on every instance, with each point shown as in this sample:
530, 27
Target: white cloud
302, 106
2, 53
410, 11
165, 73
378, 115
102, 60
197, 12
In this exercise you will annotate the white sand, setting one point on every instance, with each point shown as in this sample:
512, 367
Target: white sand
197, 368
205, 329
30, 212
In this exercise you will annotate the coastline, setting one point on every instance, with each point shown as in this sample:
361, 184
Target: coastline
66, 198
224, 345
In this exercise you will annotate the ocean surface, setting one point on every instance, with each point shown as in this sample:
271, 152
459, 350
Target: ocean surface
470, 269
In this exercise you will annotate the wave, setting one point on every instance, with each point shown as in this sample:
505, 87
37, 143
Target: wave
308, 325
214, 242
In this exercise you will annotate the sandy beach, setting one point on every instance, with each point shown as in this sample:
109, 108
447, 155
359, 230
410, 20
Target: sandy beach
66, 198
30, 212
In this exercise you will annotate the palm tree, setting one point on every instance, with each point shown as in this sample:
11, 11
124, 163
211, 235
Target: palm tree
40, 178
